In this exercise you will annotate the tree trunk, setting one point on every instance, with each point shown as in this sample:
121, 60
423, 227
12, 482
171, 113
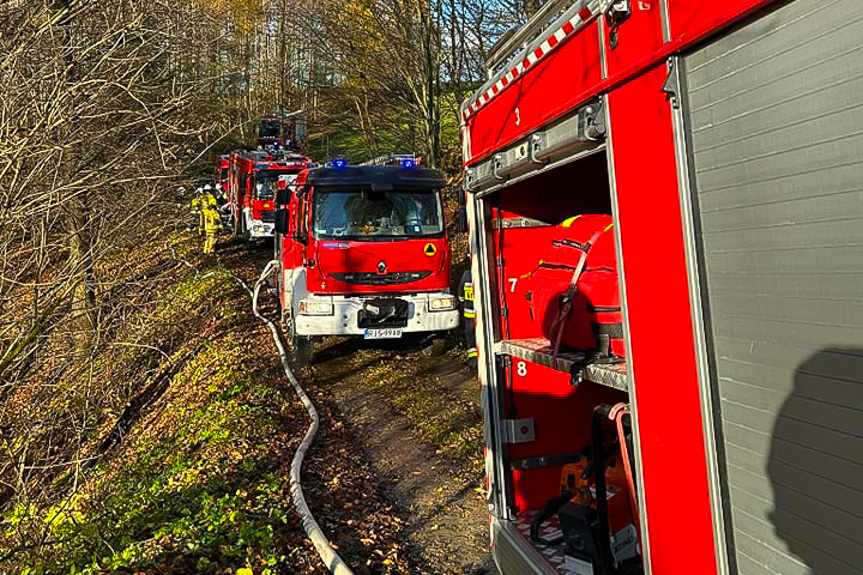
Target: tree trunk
83, 320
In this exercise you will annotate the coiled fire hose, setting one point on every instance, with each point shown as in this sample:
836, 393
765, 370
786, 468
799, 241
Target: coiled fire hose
316, 535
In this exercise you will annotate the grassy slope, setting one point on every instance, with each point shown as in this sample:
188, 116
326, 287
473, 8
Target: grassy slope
198, 484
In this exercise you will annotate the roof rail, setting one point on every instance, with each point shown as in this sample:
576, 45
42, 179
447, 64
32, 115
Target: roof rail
516, 38
391, 160
519, 51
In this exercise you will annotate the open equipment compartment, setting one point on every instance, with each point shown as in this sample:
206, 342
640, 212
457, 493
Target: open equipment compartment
544, 400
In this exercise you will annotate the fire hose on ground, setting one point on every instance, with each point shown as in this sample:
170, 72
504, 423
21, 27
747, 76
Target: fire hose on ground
316, 535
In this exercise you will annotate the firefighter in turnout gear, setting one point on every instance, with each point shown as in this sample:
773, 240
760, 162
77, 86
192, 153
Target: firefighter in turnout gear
195, 210
206, 201
465, 296
212, 225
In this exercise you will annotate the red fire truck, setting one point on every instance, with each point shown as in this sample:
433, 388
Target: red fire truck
286, 130
363, 250
254, 179
716, 148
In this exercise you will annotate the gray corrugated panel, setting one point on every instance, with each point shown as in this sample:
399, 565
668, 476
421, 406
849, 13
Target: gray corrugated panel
780, 560
841, 286
833, 502
805, 311
746, 565
781, 331
800, 184
779, 144
775, 560
834, 544
764, 386
796, 409
843, 521
776, 113
835, 365
843, 457
814, 209
802, 451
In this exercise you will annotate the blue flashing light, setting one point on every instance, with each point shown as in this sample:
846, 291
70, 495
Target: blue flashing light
340, 163
409, 163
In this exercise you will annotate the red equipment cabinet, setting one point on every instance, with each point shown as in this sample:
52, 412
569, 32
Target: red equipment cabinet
363, 250
253, 181
724, 138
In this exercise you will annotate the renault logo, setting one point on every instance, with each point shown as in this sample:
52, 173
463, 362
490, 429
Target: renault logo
382, 267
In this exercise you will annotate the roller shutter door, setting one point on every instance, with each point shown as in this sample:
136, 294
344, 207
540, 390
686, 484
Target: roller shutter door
775, 122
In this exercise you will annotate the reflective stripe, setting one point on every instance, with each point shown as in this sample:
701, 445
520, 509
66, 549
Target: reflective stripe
472, 352
568, 222
470, 314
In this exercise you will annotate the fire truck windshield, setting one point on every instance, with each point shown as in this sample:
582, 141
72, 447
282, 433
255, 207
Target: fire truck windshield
266, 182
264, 191
370, 215
268, 129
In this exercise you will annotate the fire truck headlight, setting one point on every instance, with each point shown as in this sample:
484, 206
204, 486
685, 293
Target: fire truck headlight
443, 303
315, 308
260, 228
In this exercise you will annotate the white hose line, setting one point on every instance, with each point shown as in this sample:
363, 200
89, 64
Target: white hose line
322, 545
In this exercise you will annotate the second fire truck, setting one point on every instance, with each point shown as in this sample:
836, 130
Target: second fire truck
253, 181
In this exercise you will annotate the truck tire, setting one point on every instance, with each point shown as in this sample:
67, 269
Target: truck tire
303, 350
435, 347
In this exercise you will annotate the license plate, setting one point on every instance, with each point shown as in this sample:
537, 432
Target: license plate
383, 333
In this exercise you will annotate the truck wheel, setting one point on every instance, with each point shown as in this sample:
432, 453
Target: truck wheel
434, 348
303, 350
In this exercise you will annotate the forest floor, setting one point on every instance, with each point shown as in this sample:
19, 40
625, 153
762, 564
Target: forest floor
196, 478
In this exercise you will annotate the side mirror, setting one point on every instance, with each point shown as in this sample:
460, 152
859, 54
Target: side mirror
281, 222
461, 224
283, 196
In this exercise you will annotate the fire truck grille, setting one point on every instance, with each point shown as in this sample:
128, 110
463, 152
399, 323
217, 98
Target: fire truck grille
268, 216
383, 312
375, 279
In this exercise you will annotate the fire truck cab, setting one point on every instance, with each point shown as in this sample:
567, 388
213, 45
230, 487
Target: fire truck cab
724, 140
363, 251
223, 167
255, 177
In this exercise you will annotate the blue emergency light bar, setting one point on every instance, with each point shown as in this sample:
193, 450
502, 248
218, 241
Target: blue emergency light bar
409, 163
340, 163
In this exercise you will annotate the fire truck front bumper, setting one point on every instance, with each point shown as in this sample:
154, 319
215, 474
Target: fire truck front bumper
354, 315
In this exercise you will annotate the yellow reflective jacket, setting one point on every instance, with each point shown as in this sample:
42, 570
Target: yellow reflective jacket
212, 223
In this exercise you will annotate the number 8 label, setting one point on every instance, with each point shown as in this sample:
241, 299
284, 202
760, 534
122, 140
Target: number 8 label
521, 369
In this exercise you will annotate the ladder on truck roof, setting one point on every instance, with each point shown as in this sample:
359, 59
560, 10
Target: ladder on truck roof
516, 51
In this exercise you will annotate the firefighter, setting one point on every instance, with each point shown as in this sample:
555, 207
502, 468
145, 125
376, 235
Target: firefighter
465, 296
207, 201
195, 209
212, 225
220, 195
